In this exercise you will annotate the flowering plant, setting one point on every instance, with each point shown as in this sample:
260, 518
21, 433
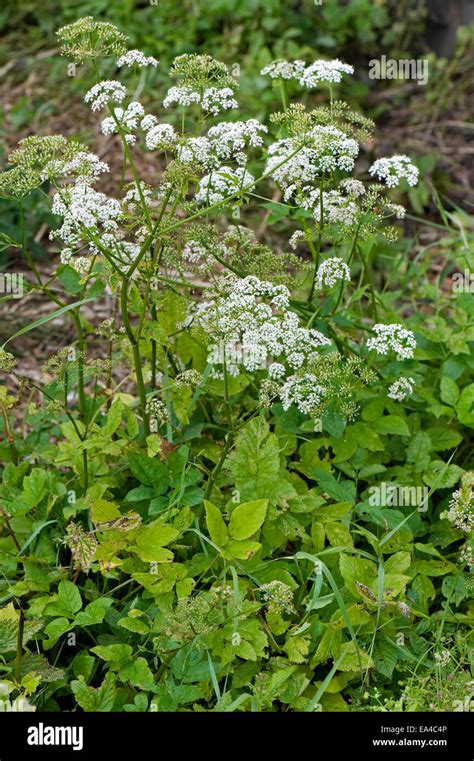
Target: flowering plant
240, 406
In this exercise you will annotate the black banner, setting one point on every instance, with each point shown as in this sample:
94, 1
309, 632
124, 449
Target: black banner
124, 735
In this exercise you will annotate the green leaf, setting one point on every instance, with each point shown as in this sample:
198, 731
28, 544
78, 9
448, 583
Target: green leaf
67, 602
138, 673
103, 511
114, 418
449, 391
215, 524
55, 629
255, 463
91, 699
94, 613
443, 438
354, 569
9, 618
342, 491
117, 653
440, 475
465, 406
150, 471
246, 519
243, 550
398, 562
70, 279
353, 659
393, 424
432, 567
150, 541
133, 625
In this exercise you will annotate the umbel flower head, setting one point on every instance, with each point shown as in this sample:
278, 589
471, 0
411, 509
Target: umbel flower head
331, 271
35, 160
202, 81
461, 505
392, 170
401, 388
282, 69
87, 39
392, 338
136, 58
325, 71
7, 361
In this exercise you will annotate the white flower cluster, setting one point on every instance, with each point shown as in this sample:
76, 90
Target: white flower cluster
161, 136
136, 58
81, 207
353, 188
199, 150
392, 170
127, 119
306, 157
331, 271
232, 138
297, 238
401, 388
461, 505
194, 252
212, 100
284, 69
223, 182
396, 209
302, 391
104, 92
83, 164
337, 209
250, 325
392, 337
325, 71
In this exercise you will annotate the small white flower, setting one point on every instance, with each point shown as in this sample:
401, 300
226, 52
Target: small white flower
194, 252
325, 71
213, 99
136, 58
353, 188
199, 150
276, 371
331, 271
148, 122
392, 337
232, 138
104, 92
401, 388
297, 238
222, 183
160, 136
284, 69
302, 391
392, 170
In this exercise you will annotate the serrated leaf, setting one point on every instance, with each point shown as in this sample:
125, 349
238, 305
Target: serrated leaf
150, 541
92, 699
150, 471
449, 391
255, 463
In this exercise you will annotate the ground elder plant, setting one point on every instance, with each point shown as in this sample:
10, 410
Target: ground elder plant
189, 513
